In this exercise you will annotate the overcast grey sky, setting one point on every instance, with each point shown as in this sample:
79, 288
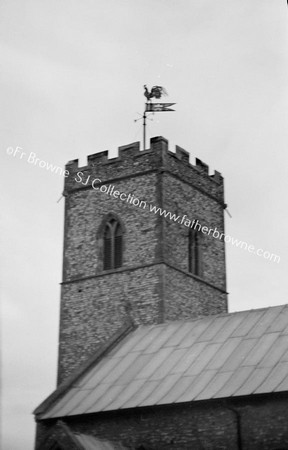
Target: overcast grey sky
72, 84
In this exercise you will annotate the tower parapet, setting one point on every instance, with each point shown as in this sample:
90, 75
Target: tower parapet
131, 161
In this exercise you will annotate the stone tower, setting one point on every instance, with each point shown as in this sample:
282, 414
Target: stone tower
123, 260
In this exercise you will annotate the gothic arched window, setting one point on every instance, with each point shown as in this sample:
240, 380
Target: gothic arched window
113, 245
194, 253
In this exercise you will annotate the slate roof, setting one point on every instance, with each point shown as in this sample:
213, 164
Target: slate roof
219, 356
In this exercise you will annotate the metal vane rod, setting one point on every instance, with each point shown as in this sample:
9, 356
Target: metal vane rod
144, 117
144, 130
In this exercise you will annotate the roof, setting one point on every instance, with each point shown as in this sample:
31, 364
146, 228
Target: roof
219, 356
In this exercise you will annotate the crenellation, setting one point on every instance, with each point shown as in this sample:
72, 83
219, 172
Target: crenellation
126, 152
129, 151
131, 162
182, 155
201, 166
159, 144
72, 165
97, 158
217, 177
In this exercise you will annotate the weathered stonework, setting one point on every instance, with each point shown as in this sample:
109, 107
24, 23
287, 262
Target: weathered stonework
153, 284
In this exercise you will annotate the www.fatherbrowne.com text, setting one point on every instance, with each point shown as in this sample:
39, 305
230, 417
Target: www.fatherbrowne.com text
182, 220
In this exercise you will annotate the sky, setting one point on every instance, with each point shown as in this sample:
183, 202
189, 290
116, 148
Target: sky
71, 85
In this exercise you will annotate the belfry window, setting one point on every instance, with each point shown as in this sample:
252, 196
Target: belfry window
194, 253
113, 245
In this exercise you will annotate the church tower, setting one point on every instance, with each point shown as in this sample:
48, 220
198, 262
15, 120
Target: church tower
142, 243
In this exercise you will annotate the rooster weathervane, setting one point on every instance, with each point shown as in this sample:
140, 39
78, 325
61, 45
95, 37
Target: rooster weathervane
156, 92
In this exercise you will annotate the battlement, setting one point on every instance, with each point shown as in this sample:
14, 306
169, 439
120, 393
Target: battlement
132, 161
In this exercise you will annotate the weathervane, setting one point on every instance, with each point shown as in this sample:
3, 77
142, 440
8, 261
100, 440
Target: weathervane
156, 92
